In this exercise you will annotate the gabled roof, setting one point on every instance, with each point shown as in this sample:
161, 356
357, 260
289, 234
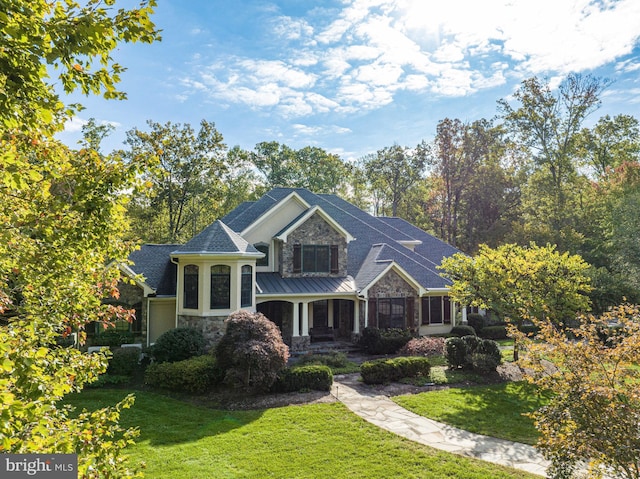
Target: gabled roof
282, 235
376, 242
218, 239
153, 261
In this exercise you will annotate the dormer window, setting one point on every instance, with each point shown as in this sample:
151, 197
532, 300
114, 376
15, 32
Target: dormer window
220, 287
191, 272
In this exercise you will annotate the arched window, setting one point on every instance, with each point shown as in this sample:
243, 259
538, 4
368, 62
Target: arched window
246, 288
220, 287
190, 286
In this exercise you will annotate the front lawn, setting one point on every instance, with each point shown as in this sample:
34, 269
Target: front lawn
495, 410
179, 441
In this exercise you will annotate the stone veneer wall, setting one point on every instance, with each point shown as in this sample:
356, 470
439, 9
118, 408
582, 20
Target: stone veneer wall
314, 231
212, 327
392, 285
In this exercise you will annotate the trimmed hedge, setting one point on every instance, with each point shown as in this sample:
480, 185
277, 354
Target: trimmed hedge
476, 321
194, 375
124, 361
304, 378
462, 330
177, 345
383, 371
383, 341
494, 332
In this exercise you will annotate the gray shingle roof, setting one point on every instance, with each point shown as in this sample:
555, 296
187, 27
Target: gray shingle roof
153, 261
217, 238
377, 242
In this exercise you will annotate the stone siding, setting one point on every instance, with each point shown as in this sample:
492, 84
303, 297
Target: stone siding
212, 327
300, 343
392, 285
314, 231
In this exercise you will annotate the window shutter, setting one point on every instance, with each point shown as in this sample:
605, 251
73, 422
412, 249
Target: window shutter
297, 258
373, 316
334, 259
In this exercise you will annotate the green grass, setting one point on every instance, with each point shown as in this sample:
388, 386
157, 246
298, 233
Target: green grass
495, 410
180, 441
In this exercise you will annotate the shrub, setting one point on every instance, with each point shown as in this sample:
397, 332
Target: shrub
112, 337
484, 363
383, 341
333, 359
124, 361
462, 330
386, 370
494, 332
424, 346
177, 345
482, 355
301, 378
251, 352
476, 321
456, 352
194, 375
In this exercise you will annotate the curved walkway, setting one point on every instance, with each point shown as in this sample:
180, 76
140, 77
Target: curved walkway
384, 413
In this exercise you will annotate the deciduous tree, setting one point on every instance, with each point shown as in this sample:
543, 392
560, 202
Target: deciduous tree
519, 283
62, 216
593, 414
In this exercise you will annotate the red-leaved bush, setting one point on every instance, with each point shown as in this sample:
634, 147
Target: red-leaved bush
251, 352
424, 346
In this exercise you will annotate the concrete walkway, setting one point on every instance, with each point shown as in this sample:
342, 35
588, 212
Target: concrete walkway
383, 412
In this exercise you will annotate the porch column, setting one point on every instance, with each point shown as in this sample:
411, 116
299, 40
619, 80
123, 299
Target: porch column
305, 319
366, 313
356, 316
464, 314
296, 319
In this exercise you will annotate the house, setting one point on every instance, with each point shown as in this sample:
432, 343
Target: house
314, 264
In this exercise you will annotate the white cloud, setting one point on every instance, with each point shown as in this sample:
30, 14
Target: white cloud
74, 124
371, 49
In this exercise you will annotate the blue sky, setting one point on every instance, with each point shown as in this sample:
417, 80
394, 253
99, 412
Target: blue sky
355, 76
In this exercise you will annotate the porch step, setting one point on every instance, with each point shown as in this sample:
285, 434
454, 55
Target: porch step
325, 347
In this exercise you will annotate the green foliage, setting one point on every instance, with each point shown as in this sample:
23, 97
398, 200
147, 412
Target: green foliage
251, 352
184, 188
456, 352
112, 337
337, 362
63, 217
383, 341
481, 355
593, 415
462, 330
124, 361
383, 371
391, 172
521, 283
193, 375
495, 332
178, 344
304, 378
476, 321
75, 51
